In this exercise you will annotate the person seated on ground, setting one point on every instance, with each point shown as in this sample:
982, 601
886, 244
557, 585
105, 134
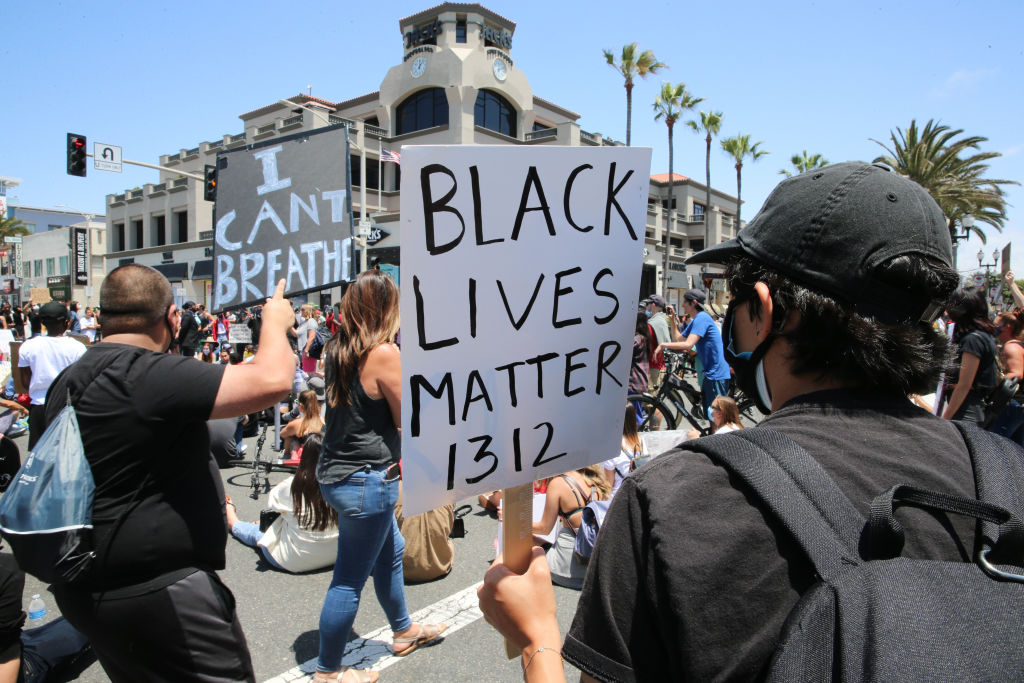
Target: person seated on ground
223, 444
725, 417
225, 355
429, 552
566, 496
310, 422
206, 354
34, 655
305, 536
631, 447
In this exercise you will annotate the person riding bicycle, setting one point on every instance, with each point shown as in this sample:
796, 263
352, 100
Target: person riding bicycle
702, 334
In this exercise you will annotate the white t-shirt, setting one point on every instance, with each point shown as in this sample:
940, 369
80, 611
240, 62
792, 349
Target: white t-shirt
620, 463
46, 356
89, 328
294, 548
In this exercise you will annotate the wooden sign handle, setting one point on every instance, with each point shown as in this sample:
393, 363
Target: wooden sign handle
517, 535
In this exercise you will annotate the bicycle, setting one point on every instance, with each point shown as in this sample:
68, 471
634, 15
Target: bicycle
654, 413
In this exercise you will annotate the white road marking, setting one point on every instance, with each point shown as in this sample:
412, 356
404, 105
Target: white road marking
374, 650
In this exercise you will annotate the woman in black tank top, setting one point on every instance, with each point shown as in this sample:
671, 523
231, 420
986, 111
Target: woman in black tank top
359, 471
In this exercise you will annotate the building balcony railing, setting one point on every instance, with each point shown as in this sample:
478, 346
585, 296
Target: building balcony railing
173, 158
335, 119
235, 140
291, 121
133, 195
215, 145
693, 218
177, 185
589, 138
542, 134
374, 130
158, 189
266, 130
190, 154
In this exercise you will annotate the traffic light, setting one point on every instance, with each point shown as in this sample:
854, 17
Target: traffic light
76, 155
210, 183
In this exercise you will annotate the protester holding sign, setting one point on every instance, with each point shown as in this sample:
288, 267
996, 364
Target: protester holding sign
359, 471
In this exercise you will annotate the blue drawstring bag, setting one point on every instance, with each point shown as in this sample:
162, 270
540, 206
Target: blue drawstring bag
46, 513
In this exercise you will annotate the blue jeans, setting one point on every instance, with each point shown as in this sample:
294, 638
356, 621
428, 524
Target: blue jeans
1010, 422
50, 647
712, 389
368, 541
249, 533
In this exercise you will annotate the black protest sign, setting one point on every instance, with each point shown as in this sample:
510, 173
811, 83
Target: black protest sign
283, 211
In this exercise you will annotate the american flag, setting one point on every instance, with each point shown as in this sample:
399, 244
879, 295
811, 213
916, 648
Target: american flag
388, 156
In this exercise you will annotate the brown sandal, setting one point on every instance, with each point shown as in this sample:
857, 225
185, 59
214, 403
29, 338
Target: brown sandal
428, 634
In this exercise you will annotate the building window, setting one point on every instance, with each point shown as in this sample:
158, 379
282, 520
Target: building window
63, 266
460, 31
31, 227
494, 112
698, 209
37, 268
181, 226
423, 109
50, 267
119, 235
537, 125
696, 245
372, 121
159, 227
664, 204
137, 229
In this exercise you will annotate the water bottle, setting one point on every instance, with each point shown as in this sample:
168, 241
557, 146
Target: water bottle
36, 608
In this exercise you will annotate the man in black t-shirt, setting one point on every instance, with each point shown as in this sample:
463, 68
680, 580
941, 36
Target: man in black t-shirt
151, 603
693, 577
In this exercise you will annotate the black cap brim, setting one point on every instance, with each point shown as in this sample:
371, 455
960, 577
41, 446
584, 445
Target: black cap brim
723, 253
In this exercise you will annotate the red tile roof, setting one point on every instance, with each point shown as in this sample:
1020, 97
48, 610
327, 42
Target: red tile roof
663, 178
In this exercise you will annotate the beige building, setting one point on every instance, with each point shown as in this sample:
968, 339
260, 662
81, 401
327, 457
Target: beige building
50, 262
456, 83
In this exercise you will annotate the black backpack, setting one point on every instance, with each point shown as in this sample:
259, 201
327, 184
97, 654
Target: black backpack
316, 347
890, 618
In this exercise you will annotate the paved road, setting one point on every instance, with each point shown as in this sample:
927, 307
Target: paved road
280, 611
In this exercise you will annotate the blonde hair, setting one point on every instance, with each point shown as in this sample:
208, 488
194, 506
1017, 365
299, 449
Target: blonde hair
595, 477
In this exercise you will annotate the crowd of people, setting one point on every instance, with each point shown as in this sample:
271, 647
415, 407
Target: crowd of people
691, 576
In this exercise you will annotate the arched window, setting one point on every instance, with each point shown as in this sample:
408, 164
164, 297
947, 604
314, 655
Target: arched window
495, 113
423, 109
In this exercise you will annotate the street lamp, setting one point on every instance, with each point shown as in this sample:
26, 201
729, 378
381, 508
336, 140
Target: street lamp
966, 223
988, 266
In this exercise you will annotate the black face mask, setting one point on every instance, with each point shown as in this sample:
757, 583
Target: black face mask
748, 365
170, 329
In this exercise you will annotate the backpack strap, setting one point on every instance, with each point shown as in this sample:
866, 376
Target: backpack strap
998, 474
798, 491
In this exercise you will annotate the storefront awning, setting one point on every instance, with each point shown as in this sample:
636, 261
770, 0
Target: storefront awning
202, 270
174, 272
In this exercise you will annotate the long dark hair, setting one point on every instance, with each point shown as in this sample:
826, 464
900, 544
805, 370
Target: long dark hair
311, 510
629, 433
369, 317
969, 310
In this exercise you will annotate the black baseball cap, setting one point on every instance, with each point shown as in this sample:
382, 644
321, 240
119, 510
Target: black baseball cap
829, 229
53, 310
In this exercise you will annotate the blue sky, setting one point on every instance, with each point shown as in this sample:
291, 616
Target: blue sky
821, 76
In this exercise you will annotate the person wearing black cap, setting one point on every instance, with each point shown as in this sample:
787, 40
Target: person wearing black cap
836, 283
188, 331
702, 334
41, 359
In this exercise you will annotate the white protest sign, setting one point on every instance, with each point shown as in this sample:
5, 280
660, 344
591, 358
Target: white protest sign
520, 276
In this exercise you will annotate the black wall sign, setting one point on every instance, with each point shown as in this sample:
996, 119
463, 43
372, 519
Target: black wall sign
283, 211
80, 245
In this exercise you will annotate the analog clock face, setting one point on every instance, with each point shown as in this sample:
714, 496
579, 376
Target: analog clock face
500, 70
419, 66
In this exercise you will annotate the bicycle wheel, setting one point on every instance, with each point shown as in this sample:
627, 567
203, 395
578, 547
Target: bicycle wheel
652, 414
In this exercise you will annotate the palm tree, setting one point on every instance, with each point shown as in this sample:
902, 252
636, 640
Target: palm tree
803, 163
951, 171
670, 105
739, 148
710, 123
12, 227
633, 63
